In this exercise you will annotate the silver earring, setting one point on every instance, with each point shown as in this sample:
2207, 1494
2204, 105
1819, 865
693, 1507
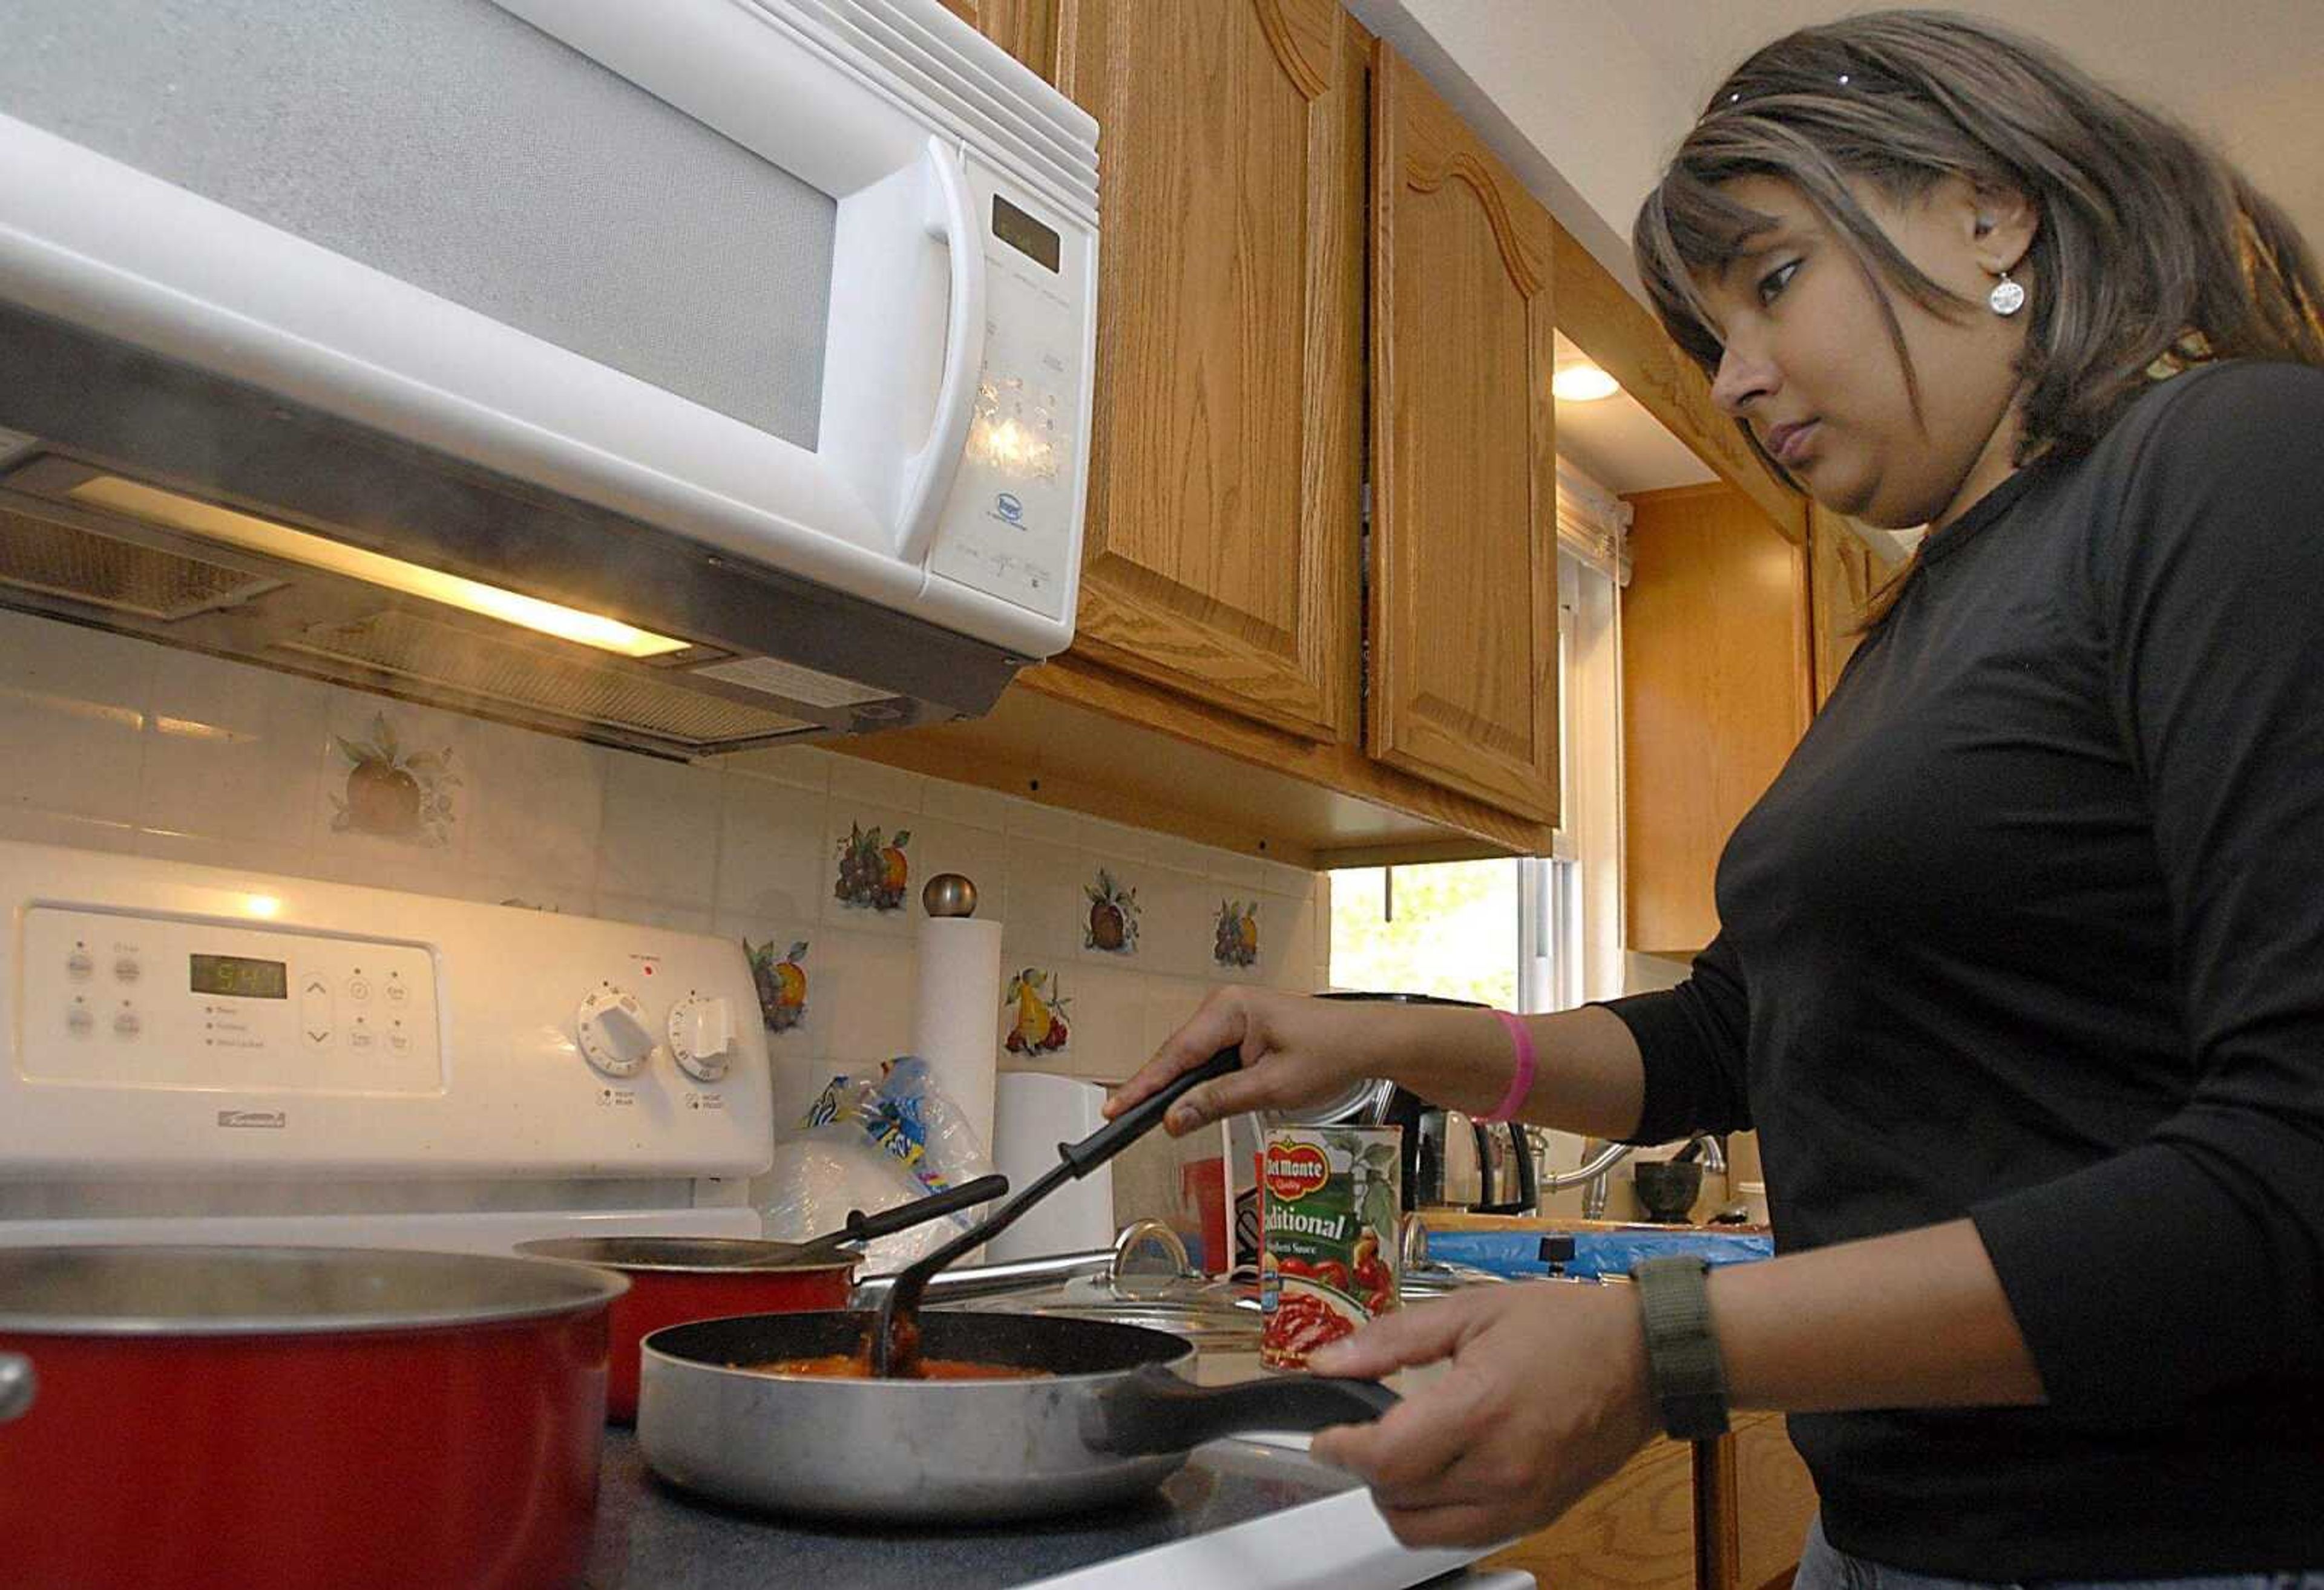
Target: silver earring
2006, 297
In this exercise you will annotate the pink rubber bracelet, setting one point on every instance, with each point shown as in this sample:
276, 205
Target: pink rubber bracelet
1521, 1084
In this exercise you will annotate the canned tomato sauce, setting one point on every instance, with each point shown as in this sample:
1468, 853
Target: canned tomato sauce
1328, 1215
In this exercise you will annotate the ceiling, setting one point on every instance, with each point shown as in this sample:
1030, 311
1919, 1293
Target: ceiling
1585, 99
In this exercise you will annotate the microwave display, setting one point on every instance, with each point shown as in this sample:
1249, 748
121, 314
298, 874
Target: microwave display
239, 977
1027, 237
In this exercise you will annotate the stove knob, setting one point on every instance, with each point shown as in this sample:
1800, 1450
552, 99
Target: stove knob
702, 1036
613, 1033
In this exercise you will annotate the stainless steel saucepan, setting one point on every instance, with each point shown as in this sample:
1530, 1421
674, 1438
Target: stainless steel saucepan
1105, 1413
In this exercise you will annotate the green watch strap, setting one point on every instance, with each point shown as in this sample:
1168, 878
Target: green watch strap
1683, 1365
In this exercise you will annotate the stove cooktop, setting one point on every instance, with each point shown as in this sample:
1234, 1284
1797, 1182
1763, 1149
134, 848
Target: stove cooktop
1235, 1518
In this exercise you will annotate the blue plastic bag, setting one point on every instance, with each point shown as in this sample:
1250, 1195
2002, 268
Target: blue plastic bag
1591, 1255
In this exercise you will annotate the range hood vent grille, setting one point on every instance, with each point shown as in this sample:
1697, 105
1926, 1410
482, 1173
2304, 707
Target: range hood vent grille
413, 647
119, 577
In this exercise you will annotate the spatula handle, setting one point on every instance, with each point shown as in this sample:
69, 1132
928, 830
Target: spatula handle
1140, 1118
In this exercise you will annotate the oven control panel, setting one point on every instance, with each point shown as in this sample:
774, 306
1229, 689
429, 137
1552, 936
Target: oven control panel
164, 1020
120, 997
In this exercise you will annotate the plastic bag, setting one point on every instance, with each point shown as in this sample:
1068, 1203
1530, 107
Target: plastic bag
1591, 1255
872, 1142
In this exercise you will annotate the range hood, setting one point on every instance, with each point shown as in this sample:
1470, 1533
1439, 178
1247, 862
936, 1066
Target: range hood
154, 500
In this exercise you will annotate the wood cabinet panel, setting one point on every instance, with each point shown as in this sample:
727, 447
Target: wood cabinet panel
1775, 1498
1027, 29
1220, 554
1847, 571
1716, 691
1465, 463
1636, 1532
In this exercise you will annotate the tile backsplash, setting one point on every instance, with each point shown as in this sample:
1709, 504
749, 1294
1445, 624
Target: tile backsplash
1111, 934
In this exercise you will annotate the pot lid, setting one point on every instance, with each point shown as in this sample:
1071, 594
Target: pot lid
221, 1291
687, 1255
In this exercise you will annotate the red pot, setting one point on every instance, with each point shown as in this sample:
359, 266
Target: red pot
677, 1279
296, 1417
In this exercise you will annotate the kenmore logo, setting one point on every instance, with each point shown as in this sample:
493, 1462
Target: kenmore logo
275, 1118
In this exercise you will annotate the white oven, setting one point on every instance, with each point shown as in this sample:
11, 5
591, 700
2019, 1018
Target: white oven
194, 1054
190, 1053
760, 328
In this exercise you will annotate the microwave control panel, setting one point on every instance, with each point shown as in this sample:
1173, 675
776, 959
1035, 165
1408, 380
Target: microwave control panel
1011, 526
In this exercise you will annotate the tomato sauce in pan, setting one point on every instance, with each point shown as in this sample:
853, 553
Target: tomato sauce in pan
858, 1366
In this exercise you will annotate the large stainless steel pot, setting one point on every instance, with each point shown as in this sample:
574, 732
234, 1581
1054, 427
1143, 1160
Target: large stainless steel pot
291, 1418
1113, 1418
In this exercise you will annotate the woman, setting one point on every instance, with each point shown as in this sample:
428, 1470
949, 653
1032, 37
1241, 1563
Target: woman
2020, 978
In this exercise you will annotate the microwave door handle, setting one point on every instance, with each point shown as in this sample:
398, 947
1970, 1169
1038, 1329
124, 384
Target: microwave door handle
951, 216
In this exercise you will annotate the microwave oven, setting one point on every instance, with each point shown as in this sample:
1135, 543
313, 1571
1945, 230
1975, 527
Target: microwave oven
687, 377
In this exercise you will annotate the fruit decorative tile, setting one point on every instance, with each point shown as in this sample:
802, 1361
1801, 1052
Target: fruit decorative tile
781, 984
1040, 1024
872, 872
393, 791
1234, 941
1113, 914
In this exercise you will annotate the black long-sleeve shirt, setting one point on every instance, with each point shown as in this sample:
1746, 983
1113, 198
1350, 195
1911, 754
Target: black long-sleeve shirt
2030, 929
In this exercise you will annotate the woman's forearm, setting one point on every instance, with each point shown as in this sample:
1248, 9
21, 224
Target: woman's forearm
1588, 1076
1917, 1319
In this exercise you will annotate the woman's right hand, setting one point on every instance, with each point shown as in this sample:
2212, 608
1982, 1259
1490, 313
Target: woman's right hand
1297, 1050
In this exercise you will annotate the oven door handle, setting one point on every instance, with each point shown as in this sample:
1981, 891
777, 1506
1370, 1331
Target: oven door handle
952, 217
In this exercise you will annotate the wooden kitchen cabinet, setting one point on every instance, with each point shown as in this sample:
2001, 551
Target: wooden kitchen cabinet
1847, 571
1728, 1514
1245, 672
1636, 1532
1220, 554
1027, 29
1463, 625
1717, 688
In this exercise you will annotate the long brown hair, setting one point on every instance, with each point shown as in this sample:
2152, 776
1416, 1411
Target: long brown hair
2151, 253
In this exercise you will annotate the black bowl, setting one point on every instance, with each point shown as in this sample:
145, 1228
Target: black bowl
1666, 1189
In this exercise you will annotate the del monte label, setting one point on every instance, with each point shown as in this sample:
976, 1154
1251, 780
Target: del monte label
1294, 1170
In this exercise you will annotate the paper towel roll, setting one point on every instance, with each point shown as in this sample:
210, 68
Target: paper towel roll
955, 1025
1036, 1112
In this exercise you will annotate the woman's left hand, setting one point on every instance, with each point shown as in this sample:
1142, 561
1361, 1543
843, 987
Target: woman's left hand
1546, 1396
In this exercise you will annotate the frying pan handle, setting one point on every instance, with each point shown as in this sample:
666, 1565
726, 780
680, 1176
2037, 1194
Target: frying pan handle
1134, 1123
18, 1385
1155, 1411
864, 1227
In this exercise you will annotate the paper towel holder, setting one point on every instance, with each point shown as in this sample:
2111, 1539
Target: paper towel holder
948, 894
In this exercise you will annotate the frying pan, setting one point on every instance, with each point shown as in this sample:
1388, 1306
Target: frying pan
1111, 1416
675, 1278
1107, 1413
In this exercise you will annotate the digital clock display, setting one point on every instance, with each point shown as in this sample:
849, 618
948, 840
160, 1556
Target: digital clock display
1020, 231
238, 976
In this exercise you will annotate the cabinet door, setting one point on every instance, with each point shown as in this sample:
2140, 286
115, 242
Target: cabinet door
1846, 574
1223, 518
1464, 465
1715, 693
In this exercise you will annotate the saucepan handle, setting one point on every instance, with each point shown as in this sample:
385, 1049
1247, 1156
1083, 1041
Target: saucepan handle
18, 1385
1155, 1411
864, 1227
